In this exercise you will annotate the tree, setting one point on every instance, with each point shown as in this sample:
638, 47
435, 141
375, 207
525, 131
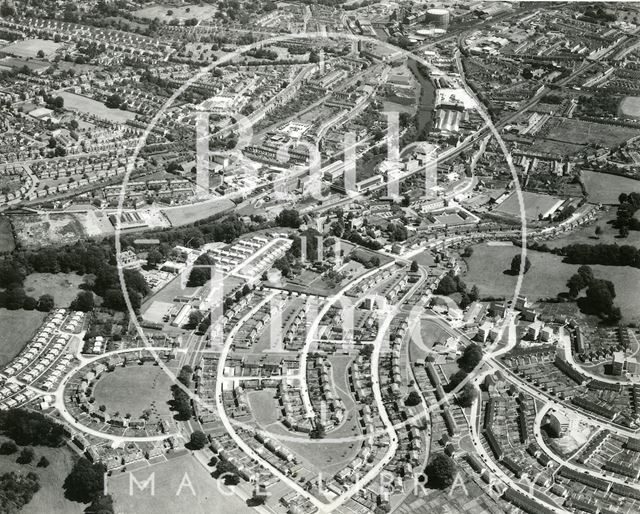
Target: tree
474, 295
598, 231
587, 274
288, 218
85, 482
467, 395
198, 440
414, 266
102, 504
516, 262
318, 432
470, 358
575, 284
83, 302
45, 303
114, 101
26, 455
413, 399
8, 448
468, 252
43, 462
440, 471
29, 303
40, 54
447, 285
600, 295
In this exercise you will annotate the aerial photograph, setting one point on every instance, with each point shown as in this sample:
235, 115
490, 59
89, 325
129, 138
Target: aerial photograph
319, 256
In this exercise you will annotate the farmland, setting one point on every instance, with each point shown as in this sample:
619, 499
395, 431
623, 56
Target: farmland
605, 188
17, 327
546, 278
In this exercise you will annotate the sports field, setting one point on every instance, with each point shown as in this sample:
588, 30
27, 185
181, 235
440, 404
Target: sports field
133, 389
606, 188
630, 107
31, 47
17, 328
535, 205
90, 106
167, 13
185, 214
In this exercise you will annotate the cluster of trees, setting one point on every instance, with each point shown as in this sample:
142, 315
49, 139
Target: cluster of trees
413, 399
227, 470
97, 259
263, 53
198, 440
318, 432
201, 272
451, 284
516, 262
30, 428
440, 471
625, 216
289, 218
114, 101
85, 484
181, 402
397, 232
607, 254
470, 358
17, 490
599, 297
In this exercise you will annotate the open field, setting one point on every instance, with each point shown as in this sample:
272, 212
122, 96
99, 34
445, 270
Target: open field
133, 389
50, 497
605, 188
535, 205
35, 230
630, 107
90, 106
63, 286
201, 12
203, 497
586, 235
582, 133
185, 214
546, 278
7, 242
17, 327
31, 47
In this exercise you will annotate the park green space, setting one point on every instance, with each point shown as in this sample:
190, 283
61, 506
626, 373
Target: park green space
91, 106
133, 389
62, 286
7, 241
630, 107
546, 278
50, 498
204, 497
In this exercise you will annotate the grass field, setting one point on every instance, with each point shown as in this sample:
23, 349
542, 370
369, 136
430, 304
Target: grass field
50, 498
534, 205
7, 242
605, 188
204, 497
546, 278
579, 132
31, 47
630, 107
63, 286
90, 106
586, 235
17, 327
135, 388
36, 230
201, 12
185, 214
